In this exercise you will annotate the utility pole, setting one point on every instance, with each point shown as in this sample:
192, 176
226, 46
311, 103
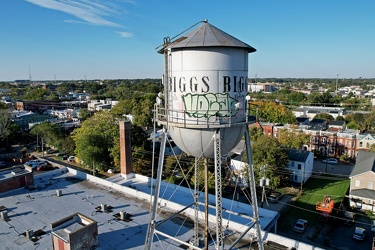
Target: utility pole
337, 80
263, 183
326, 159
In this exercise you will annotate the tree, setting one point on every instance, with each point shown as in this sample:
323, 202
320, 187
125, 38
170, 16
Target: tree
210, 177
5, 122
270, 159
324, 116
36, 94
272, 112
51, 134
293, 139
340, 118
64, 88
359, 121
68, 145
122, 108
95, 140
255, 133
142, 111
84, 114
142, 167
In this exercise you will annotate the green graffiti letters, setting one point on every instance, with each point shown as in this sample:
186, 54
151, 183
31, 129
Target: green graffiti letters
207, 105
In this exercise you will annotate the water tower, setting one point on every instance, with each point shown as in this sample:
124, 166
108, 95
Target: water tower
204, 109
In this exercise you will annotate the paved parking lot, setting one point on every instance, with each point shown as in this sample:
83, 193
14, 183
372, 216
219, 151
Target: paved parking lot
340, 169
341, 235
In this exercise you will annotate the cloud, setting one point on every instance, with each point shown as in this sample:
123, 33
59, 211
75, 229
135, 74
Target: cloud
88, 11
125, 34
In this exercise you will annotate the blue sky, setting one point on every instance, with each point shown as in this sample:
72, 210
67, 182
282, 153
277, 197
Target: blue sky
112, 39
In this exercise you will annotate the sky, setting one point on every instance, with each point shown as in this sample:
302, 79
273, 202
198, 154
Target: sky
117, 39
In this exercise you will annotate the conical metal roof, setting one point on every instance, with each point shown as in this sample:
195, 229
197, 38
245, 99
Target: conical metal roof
208, 35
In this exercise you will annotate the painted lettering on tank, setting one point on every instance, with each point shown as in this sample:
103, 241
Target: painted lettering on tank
210, 104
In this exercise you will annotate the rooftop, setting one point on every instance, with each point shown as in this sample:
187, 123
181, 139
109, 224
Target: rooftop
61, 193
13, 171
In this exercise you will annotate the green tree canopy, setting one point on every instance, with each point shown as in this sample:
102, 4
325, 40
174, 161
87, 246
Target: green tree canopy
36, 94
51, 133
95, 140
84, 114
293, 139
272, 112
269, 153
324, 116
122, 108
5, 122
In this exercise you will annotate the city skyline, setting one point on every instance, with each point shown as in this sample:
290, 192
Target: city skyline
117, 39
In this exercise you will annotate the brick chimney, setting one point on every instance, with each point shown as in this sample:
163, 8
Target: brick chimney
125, 150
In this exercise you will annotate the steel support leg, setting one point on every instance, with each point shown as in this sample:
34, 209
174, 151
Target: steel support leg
196, 204
218, 189
254, 201
151, 225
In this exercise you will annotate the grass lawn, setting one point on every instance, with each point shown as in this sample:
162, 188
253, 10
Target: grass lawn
314, 191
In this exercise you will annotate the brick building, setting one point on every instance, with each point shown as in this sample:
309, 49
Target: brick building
15, 177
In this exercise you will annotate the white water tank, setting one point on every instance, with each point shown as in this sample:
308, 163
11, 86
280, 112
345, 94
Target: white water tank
206, 90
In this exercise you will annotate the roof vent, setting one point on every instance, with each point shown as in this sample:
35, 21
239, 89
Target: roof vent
58, 192
29, 233
4, 215
123, 215
103, 207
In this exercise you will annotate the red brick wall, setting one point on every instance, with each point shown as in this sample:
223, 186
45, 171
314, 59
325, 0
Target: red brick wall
16, 182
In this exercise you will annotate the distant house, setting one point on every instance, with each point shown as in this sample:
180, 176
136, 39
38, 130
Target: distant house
319, 124
38, 106
312, 111
364, 141
303, 120
300, 165
362, 182
340, 125
99, 105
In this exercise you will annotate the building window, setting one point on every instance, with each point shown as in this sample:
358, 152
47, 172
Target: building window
369, 185
295, 177
367, 145
299, 166
361, 144
357, 183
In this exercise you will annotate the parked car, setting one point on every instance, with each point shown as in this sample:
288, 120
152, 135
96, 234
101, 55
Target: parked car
359, 233
71, 158
300, 226
2, 163
50, 151
34, 164
349, 218
331, 161
274, 196
373, 226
